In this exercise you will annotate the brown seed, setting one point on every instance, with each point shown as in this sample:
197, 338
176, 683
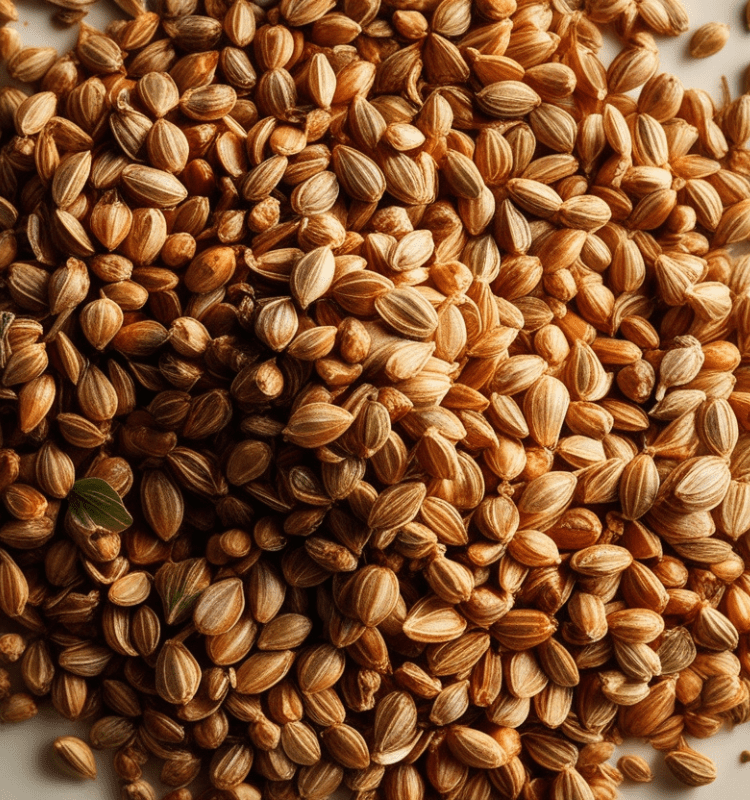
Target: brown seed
433, 620
346, 746
709, 39
12, 646
359, 175
229, 648
373, 594
138, 790
690, 767
219, 607
300, 743
475, 748
177, 673
319, 668
29, 64
110, 732
635, 769
408, 313
312, 276
17, 707
179, 585
14, 589
396, 506
207, 103
507, 99
394, 727
163, 503
284, 632
317, 424
210, 270
263, 670
74, 756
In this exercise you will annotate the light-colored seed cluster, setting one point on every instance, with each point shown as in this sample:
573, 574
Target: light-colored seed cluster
416, 349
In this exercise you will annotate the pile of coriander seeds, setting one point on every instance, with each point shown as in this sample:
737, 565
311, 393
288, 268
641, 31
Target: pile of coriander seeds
374, 398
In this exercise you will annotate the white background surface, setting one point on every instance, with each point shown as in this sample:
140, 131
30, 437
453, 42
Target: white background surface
25, 769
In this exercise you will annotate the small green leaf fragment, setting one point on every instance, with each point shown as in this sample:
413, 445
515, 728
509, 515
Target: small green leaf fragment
179, 602
94, 503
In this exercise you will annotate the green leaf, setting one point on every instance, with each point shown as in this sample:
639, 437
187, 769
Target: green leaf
94, 503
